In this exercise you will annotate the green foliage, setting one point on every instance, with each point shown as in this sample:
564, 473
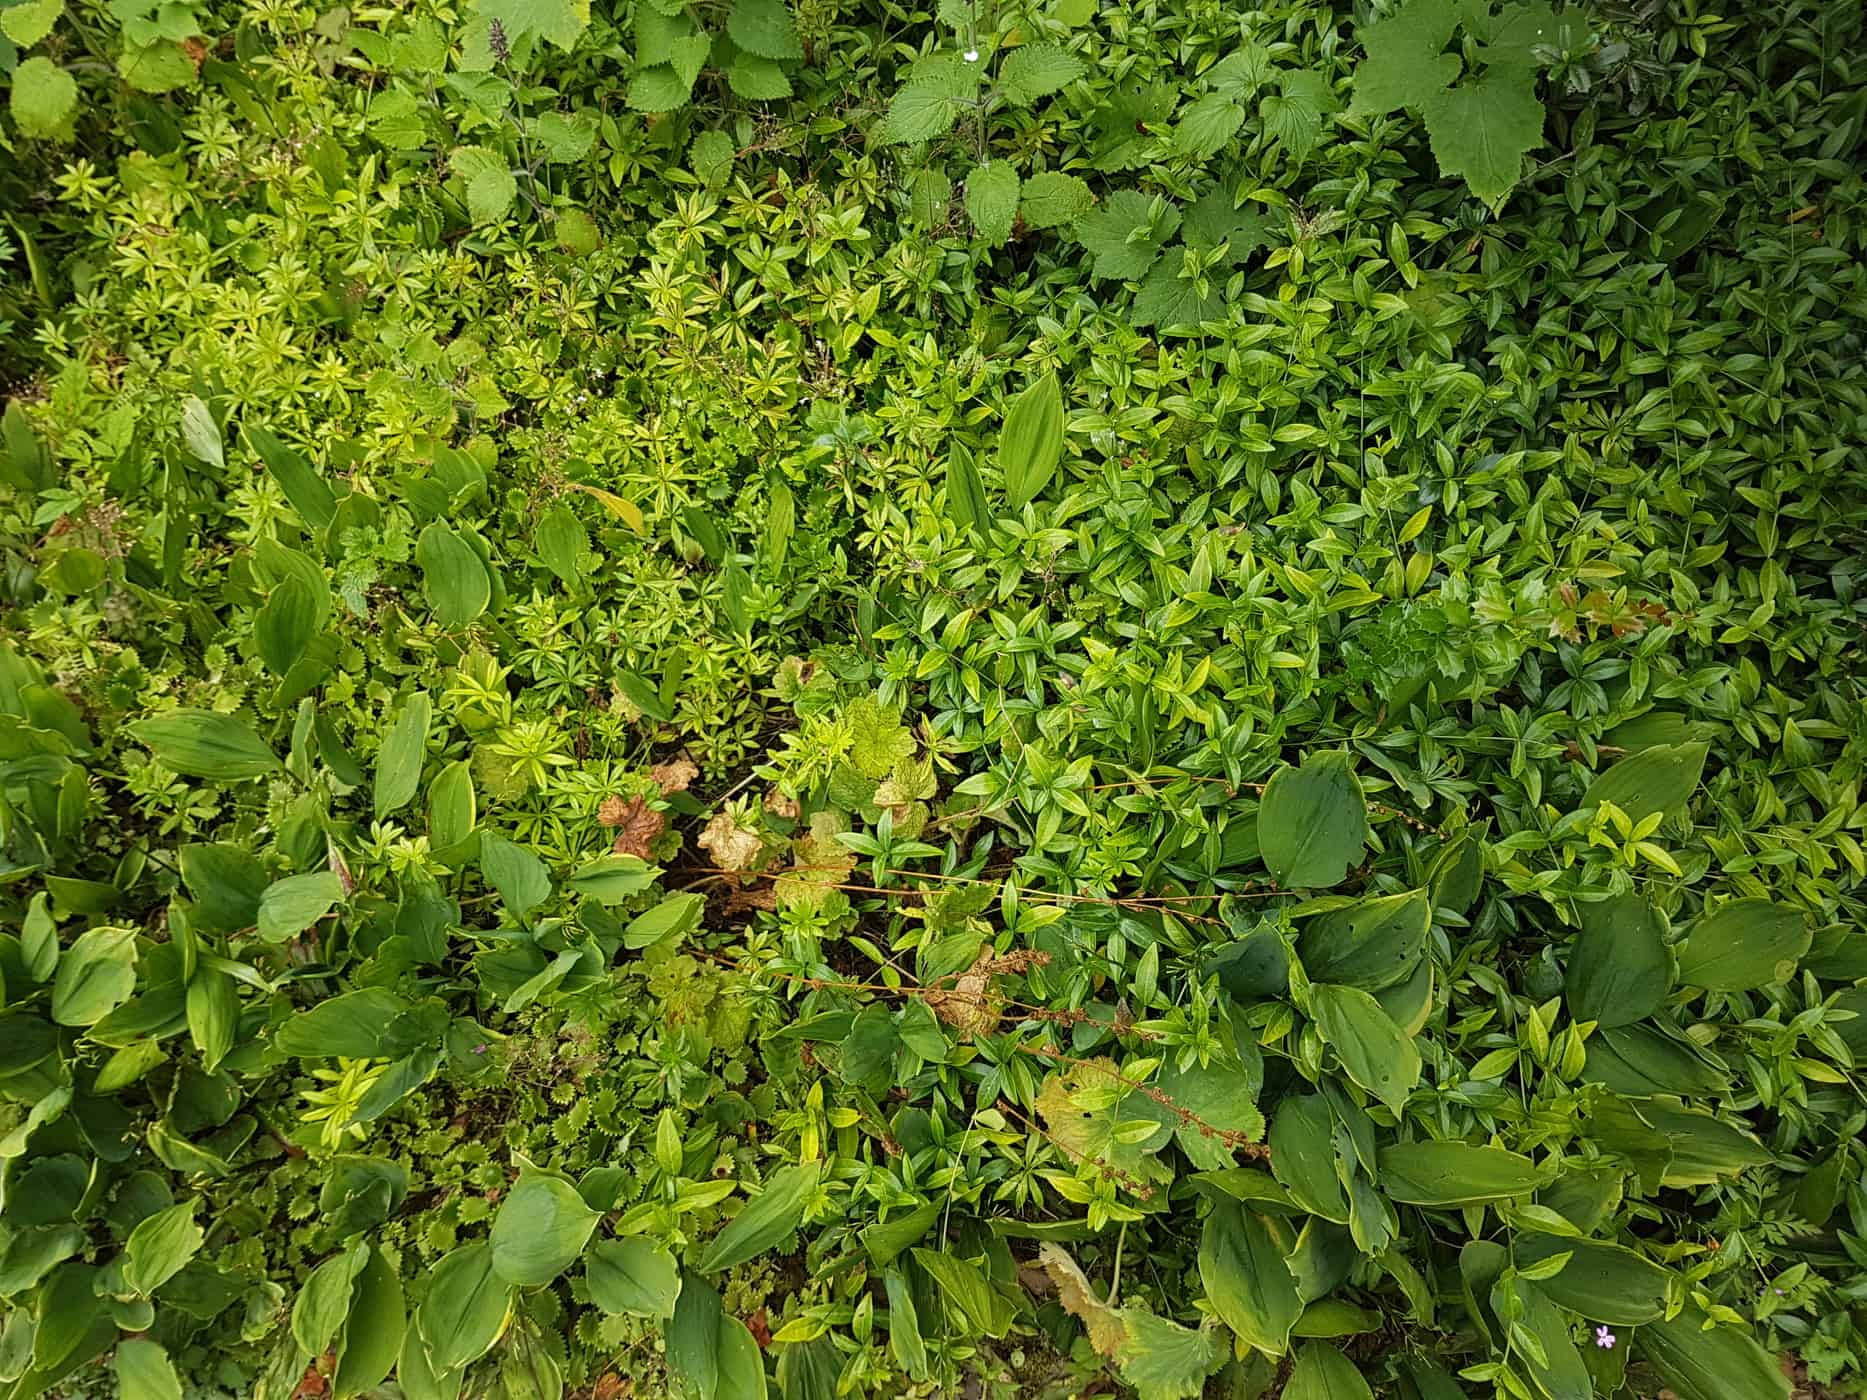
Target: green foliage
1480, 104
821, 700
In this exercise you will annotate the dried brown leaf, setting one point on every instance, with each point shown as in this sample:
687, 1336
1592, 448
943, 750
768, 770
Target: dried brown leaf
731, 847
970, 1006
1107, 1332
675, 776
637, 825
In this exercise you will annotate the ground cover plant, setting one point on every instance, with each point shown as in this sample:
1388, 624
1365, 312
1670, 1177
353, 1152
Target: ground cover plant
831, 699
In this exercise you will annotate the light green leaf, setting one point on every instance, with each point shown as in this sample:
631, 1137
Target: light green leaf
1657, 779
159, 1247
1126, 234
1031, 443
561, 22
294, 904
614, 878
372, 1334
323, 1303
965, 491
95, 976
1406, 63
395, 119
206, 744
540, 1230
28, 23
453, 808
562, 543
1295, 114
1033, 71
1603, 1282
453, 575
144, 1371
39, 940
992, 201
1051, 199
491, 188
904, 1326
757, 79
466, 1308
1700, 1361
518, 875
43, 99
159, 67
1371, 944
764, 28
1454, 1174
1207, 125
1377, 1054
1323, 1373
973, 1306
201, 433
1483, 127
658, 88
634, 1276
1303, 1155
695, 1341
213, 1014
563, 138
304, 487
1163, 1360
676, 916
773, 1214
938, 88
285, 625
399, 760
1243, 1271
1170, 299
353, 1025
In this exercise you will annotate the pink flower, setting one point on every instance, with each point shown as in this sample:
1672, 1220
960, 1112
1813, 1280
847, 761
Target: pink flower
1603, 1337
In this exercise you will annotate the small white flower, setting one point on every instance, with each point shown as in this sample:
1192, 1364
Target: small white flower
971, 55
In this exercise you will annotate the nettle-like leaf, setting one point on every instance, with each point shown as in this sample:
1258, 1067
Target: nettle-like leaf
1158, 1357
658, 88
1051, 199
992, 201
1482, 119
937, 90
43, 98
764, 28
757, 79
1036, 71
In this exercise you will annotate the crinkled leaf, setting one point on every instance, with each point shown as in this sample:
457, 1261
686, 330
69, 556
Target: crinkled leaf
992, 201
1051, 199
764, 28
1037, 70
